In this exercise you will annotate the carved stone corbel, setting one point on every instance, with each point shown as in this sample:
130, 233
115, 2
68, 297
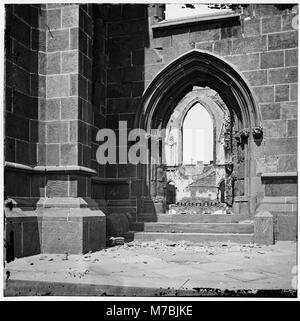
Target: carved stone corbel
257, 132
229, 168
245, 133
242, 135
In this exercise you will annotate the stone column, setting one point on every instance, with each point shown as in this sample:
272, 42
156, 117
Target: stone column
60, 178
66, 112
65, 109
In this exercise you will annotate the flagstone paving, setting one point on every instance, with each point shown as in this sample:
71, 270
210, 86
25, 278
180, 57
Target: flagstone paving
165, 265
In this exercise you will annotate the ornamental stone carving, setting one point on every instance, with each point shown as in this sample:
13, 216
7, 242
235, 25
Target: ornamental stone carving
227, 132
257, 132
242, 135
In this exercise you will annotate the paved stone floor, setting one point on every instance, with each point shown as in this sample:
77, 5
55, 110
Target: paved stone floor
168, 265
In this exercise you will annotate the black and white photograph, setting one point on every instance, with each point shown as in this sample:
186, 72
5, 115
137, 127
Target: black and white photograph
149, 151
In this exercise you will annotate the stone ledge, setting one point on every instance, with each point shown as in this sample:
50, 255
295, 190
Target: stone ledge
279, 200
100, 180
61, 214
277, 207
174, 23
31, 203
67, 202
47, 169
279, 175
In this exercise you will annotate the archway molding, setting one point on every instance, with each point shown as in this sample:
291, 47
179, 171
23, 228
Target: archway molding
199, 68
202, 69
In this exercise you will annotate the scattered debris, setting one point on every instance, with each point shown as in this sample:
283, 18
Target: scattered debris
116, 241
43, 257
79, 274
65, 257
171, 244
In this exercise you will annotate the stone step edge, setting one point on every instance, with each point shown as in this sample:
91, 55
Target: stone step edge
206, 215
193, 234
192, 223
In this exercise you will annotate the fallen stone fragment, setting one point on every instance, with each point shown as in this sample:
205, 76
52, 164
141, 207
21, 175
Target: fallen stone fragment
171, 244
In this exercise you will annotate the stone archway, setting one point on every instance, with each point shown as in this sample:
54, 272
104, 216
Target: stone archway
199, 68
214, 106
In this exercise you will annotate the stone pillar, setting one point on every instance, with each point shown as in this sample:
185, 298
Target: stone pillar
65, 109
263, 228
60, 176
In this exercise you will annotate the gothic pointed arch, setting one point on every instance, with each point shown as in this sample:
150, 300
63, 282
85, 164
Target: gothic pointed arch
202, 69
199, 68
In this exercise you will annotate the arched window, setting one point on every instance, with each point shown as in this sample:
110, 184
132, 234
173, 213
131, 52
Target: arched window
197, 136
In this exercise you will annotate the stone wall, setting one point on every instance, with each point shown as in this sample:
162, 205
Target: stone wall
22, 90
262, 45
73, 69
54, 167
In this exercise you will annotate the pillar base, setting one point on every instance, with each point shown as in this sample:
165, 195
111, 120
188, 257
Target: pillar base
55, 227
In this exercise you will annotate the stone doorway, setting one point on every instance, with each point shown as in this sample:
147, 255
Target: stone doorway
171, 193
238, 127
195, 148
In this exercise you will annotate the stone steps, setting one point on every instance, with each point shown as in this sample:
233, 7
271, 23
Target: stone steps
192, 218
243, 228
191, 237
197, 228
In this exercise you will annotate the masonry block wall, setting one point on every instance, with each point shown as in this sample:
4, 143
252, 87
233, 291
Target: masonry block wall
74, 69
51, 118
262, 45
21, 93
127, 36
56, 127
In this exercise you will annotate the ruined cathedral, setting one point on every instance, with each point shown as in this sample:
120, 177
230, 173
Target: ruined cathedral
74, 69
